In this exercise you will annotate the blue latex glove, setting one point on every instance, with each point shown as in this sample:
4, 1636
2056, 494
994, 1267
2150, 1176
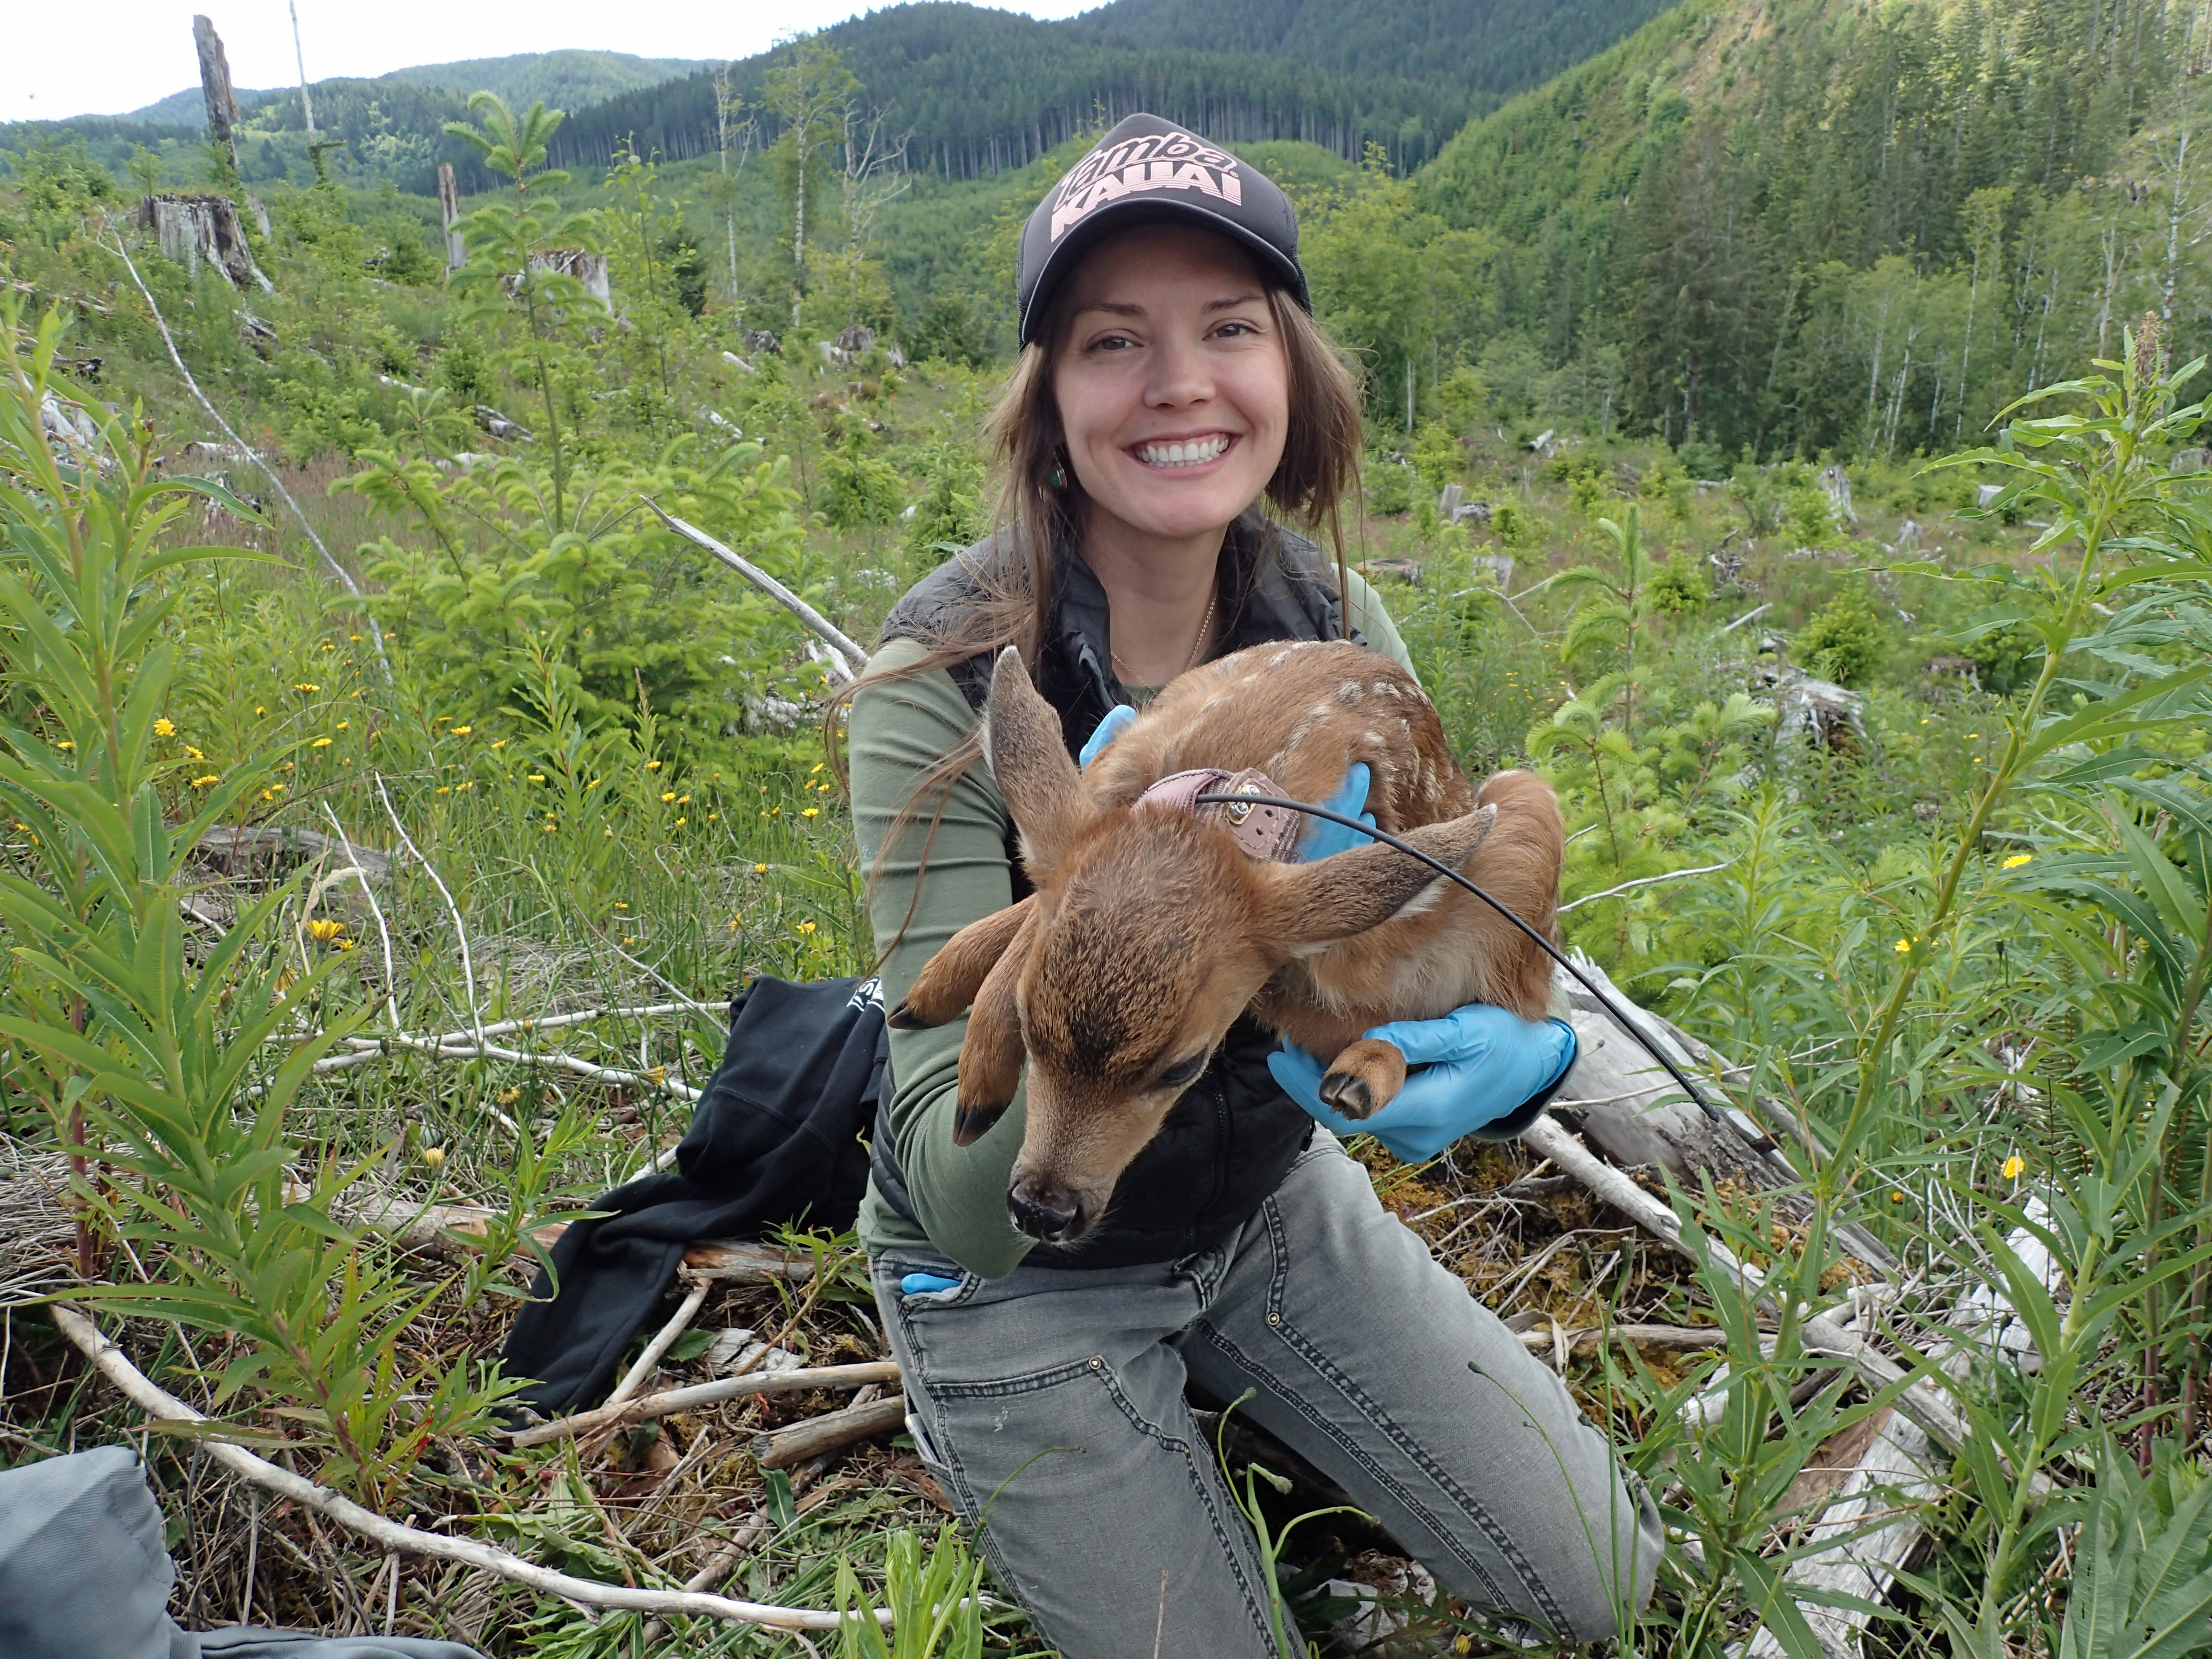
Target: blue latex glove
1320, 839
1116, 722
927, 1284
1475, 1066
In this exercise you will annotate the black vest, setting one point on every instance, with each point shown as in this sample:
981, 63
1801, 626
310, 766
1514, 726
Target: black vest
1230, 1140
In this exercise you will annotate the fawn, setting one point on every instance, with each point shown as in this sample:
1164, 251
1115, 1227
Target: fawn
1155, 923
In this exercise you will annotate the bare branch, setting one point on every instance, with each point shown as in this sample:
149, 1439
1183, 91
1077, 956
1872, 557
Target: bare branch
142, 1392
831, 635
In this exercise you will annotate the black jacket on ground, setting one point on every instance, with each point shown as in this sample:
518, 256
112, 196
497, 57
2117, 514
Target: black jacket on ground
777, 1137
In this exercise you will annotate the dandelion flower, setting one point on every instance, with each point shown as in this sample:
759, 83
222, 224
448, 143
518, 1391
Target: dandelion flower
305, 685
356, 638
344, 724
536, 777
622, 904
165, 727
193, 752
653, 766
682, 799
508, 1097
812, 813
321, 743
463, 731
502, 743
2019, 859
1897, 1198
812, 770
758, 869
65, 744
202, 783
445, 788
629, 938
323, 930
1902, 946
259, 708
345, 944
435, 1157
2012, 1166
667, 795
680, 823
806, 926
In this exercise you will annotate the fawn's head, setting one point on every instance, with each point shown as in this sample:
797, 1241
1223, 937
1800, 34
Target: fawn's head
1149, 933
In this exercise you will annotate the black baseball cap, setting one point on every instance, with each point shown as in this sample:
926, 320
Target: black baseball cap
1148, 169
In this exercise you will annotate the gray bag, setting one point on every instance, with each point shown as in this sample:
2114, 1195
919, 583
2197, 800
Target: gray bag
84, 1575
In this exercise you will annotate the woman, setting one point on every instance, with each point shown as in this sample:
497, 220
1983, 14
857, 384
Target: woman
1169, 377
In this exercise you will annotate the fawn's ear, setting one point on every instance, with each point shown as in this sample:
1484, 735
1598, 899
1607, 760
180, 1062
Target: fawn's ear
948, 981
1028, 757
1310, 905
992, 1053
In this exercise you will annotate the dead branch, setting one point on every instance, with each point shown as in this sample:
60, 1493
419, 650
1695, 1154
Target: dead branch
862, 1420
849, 659
142, 1392
345, 578
1920, 1399
710, 1394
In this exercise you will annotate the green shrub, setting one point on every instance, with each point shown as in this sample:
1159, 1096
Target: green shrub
1842, 641
1390, 487
1436, 455
1678, 588
1512, 524
860, 488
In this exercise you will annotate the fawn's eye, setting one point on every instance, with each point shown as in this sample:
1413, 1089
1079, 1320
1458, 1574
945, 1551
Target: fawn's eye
1182, 1071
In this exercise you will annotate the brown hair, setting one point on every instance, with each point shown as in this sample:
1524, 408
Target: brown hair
1036, 518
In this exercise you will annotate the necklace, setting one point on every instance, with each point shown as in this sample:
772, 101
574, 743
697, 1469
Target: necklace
1197, 646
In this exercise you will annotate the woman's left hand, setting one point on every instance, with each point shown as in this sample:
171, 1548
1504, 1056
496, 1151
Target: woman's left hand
1477, 1067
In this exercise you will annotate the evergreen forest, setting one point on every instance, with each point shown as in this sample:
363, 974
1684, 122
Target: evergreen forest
1784, 428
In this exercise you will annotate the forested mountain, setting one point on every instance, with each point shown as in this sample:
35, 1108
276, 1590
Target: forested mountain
565, 80
1492, 48
1799, 224
982, 90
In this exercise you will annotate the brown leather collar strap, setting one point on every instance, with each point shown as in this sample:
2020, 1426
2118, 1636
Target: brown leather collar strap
1268, 833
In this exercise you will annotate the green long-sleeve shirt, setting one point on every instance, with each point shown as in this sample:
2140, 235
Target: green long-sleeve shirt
899, 730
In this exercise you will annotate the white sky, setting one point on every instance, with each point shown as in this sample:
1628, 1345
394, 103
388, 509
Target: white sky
119, 55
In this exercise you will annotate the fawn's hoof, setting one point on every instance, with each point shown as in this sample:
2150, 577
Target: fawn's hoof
1348, 1094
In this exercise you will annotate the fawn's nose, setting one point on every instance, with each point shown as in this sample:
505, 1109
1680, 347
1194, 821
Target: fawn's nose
1043, 1212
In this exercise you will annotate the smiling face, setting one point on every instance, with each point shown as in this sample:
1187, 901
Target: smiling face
1172, 381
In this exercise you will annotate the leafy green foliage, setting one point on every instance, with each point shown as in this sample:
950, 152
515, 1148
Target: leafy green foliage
1842, 643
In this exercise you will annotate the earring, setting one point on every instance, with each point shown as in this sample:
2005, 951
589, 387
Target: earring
1057, 479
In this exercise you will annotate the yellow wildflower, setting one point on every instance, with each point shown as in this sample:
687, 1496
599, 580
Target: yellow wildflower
305, 685
680, 823
758, 869
502, 743
463, 731
165, 727
65, 744
653, 766
323, 930
508, 1097
682, 799
2019, 859
2012, 1166
812, 770
435, 1157
537, 777
812, 813
445, 788
193, 752
1903, 946
356, 638
622, 904
321, 743
344, 724
667, 795
345, 944
260, 709
202, 783
806, 926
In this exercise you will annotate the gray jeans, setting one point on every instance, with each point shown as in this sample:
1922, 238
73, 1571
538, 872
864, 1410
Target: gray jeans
1053, 1405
